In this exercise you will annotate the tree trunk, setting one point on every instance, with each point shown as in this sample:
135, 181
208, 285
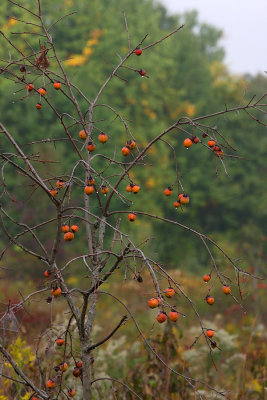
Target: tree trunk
86, 370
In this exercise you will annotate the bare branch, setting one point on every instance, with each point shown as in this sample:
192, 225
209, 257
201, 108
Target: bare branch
21, 374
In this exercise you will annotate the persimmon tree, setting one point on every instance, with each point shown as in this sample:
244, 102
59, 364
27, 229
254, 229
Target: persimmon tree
83, 205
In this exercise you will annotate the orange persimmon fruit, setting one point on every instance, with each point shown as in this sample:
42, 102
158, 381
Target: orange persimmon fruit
74, 228
57, 85
131, 217
42, 91
188, 143
138, 51
65, 228
135, 189
131, 144
104, 190
206, 277
82, 134
226, 289
153, 303
125, 151
102, 137
168, 191
89, 189
161, 317
90, 147
60, 342
56, 292
53, 192
184, 199
60, 184
68, 237
169, 292
211, 143
210, 333
50, 384
173, 315
210, 300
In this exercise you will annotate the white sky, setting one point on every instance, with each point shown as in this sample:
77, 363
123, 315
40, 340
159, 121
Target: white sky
244, 23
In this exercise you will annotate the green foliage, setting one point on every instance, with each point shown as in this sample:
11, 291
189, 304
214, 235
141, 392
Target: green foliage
186, 77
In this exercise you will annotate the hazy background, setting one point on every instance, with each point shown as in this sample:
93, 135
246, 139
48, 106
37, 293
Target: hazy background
244, 25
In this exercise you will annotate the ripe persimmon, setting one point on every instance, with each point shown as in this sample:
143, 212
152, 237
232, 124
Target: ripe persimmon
135, 189
169, 292
168, 191
56, 292
60, 342
138, 51
211, 143
79, 364
104, 190
184, 199
161, 317
90, 147
60, 184
129, 188
153, 303
63, 367
74, 228
50, 384
219, 152
82, 134
210, 333
42, 91
209, 299
54, 192
226, 289
102, 138
195, 139
68, 237
57, 85
30, 87
206, 277
91, 181
65, 228
177, 204
38, 106
142, 72
89, 190
173, 315
131, 217
48, 273
125, 151
188, 143
71, 392
131, 144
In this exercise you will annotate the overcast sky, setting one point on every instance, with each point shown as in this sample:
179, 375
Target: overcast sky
244, 23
